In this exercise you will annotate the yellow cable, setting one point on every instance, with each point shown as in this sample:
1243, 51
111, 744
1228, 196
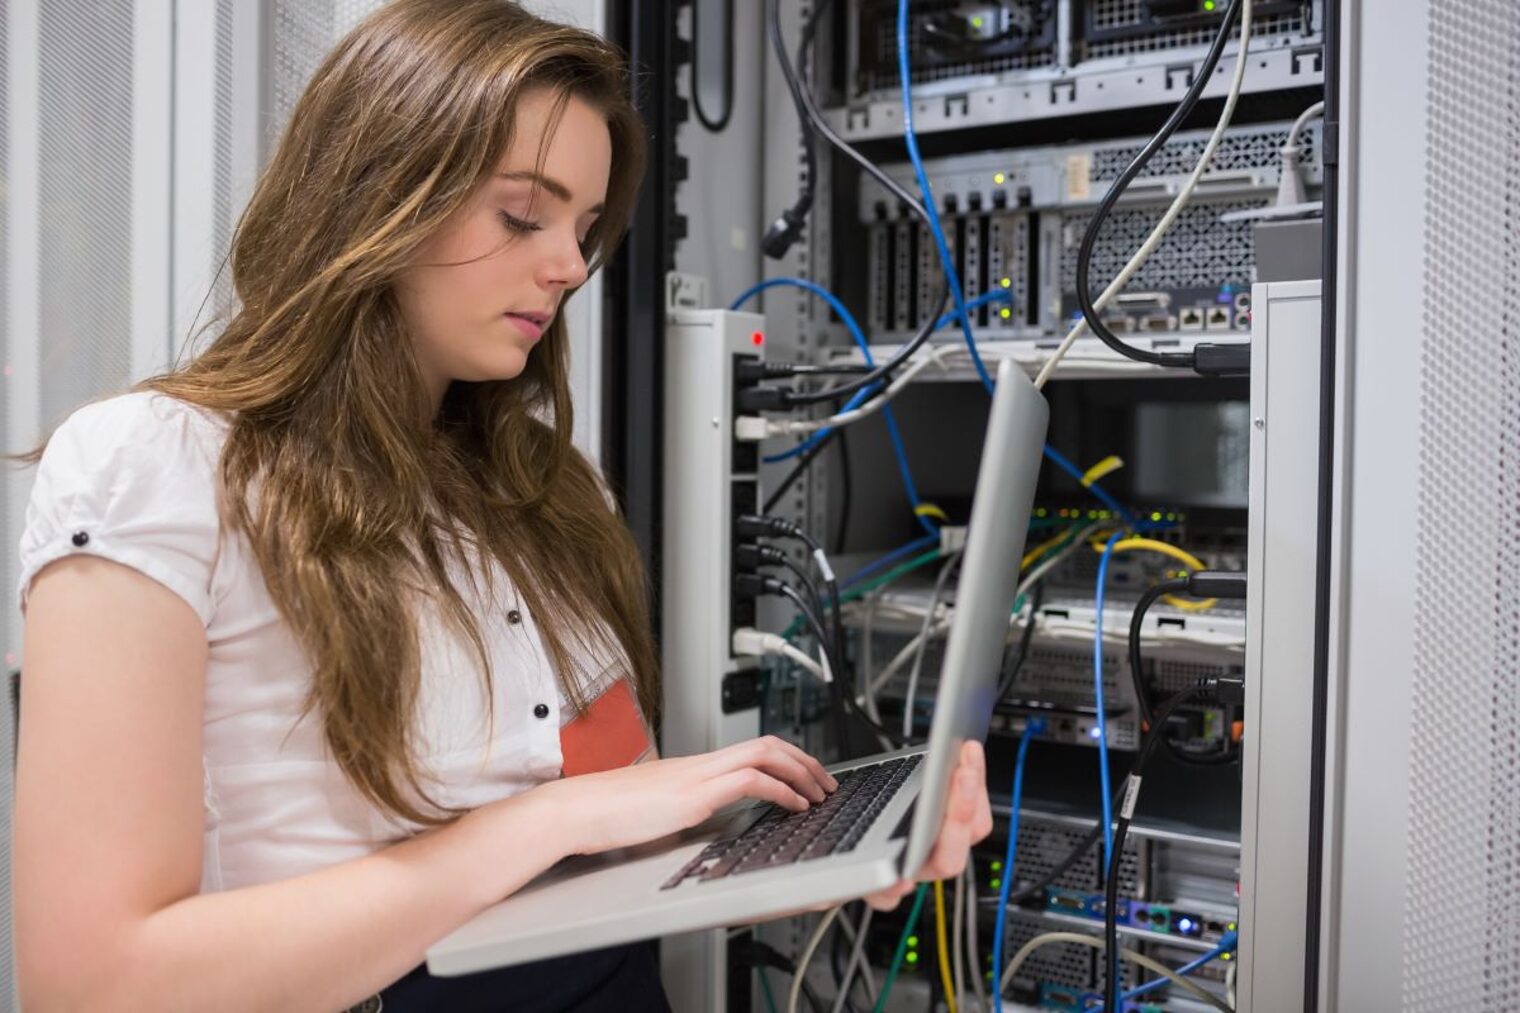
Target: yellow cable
944, 950
1183, 556
930, 510
1041, 549
1107, 466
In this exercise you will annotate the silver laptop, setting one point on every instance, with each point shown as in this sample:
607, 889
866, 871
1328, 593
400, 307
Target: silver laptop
757, 861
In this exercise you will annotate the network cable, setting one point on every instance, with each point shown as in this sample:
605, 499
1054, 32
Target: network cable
902, 947
1208, 359
785, 231
1227, 944
1035, 727
1101, 720
1203, 584
807, 957
1126, 814
910, 139
1138, 959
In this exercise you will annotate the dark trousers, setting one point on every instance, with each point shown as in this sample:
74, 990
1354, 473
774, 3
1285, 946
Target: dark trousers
622, 979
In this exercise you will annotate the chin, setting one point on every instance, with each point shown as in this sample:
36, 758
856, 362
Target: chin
507, 365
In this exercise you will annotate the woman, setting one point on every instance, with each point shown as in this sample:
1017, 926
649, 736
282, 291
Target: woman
306, 615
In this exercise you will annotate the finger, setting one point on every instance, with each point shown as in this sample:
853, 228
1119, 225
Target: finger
776, 757
981, 824
822, 777
888, 899
747, 782
948, 859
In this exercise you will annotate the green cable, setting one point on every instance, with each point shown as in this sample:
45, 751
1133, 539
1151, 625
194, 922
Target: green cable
765, 986
902, 947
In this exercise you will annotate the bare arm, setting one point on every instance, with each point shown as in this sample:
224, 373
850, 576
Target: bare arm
107, 853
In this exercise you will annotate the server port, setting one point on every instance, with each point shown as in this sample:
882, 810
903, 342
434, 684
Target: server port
1143, 916
1218, 316
1159, 322
1242, 300
1119, 323
1190, 319
1243, 320
1061, 900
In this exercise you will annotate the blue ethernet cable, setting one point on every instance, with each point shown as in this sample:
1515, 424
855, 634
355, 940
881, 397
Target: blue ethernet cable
893, 433
1101, 721
1033, 728
947, 261
1226, 944
902, 552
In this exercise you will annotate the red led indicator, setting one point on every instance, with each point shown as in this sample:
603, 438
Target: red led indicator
757, 338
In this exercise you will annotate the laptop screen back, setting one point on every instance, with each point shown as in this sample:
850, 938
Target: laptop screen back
989, 576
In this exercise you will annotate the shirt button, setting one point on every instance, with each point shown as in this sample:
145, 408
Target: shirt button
514, 617
541, 711
81, 538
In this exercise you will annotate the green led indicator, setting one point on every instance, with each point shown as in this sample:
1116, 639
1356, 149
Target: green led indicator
1208, 5
996, 866
995, 884
978, 22
912, 941
1005, 312
1155, 515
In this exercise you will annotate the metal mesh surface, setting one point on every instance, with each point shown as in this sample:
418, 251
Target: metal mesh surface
1200, 251
1240, 148
1462, 874
303, 33
85, 238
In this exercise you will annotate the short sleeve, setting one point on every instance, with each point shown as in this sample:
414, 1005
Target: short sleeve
130, 479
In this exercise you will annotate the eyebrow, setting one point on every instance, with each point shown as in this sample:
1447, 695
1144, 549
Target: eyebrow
554, 186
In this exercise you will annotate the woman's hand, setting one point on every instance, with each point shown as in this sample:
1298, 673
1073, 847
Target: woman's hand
646, 801
968, 820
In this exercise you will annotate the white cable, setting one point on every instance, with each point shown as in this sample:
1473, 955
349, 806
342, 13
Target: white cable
807, 957
923, 642
1229, 983
752, 643
755, 428
973, 956
1317, 109
1183, 196
1139, 959
856, 963
873, 600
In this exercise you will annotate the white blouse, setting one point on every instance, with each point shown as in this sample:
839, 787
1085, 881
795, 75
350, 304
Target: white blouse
133, 479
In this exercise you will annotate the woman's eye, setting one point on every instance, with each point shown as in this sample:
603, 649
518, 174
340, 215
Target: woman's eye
515, 224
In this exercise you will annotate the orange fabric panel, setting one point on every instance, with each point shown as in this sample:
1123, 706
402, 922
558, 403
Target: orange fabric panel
610, 734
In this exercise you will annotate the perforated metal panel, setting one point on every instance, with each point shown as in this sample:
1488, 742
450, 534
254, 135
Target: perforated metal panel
1240, 148
1199, 252
302, 34
85, 243
1463, 861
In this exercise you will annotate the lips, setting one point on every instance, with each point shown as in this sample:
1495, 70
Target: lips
530, 324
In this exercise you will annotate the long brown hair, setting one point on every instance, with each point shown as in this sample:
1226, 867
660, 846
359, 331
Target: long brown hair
355, 508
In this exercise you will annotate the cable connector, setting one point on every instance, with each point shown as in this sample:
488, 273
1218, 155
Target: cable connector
751, 428
762, 399
752, 556
784, 231
1222, 360
952, 538
1217, 584
752, 643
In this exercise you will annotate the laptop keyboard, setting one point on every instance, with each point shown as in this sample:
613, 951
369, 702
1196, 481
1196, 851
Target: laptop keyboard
781, 837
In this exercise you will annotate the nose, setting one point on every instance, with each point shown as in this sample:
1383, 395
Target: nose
563, 265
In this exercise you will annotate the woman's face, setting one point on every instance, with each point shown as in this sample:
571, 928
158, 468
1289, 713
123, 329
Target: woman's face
482, 290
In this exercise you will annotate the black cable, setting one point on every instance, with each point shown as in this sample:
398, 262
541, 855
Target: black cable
1178, 585
721, 123
806, 458
845, 493
753, 953
813, 121
827, 645
1184, 360
1121, 831
1012, 674
784, 231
